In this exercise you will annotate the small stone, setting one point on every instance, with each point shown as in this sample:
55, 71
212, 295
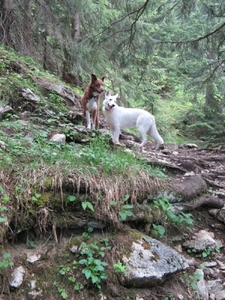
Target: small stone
32, 258
17, 277
74, 249
58, 138
210, 264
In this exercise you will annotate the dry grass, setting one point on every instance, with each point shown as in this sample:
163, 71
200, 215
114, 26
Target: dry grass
97, 189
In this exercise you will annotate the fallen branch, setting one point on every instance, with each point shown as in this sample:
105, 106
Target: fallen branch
207, 200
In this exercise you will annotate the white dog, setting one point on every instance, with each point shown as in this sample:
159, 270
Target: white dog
118, 117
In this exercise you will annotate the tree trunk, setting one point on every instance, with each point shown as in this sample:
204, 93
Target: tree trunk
67, 76
45, 50
27, 27
211, 104
75, 24
6, 21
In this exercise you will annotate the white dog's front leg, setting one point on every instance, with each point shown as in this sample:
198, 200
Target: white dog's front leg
115, 135
88, 118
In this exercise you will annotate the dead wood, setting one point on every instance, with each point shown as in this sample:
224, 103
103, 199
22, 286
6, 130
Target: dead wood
213, 183
206, 200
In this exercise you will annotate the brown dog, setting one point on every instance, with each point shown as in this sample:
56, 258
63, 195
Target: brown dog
91, 101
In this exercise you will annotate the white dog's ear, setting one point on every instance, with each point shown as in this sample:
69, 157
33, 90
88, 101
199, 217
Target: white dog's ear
107, 94
116, 96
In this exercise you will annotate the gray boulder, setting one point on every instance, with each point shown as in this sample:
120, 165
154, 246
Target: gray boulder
150, 262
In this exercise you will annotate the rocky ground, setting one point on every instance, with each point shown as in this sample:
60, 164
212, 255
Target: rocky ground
196, 178
192, 171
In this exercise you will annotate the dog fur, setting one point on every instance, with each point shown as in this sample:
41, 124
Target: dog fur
118, 117
91, 101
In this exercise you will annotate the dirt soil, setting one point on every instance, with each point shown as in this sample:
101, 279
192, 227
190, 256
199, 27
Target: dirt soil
178, 161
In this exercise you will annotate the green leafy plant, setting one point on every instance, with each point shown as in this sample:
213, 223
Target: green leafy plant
126, 212
194, 279
70, 199
178, 219
36, 197
192, 250
125, 209
86, 234
4, 197
78, 287
191, 280
5, 263
64, 269
170, 296
209, 251
158, 230
119, 267
31, 244
87, 204
63, 293
68, 272
61, 290
94, 267
3, 208
56, 101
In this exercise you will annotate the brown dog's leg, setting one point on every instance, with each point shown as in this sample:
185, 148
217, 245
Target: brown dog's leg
97, 113
97, 120
94, 116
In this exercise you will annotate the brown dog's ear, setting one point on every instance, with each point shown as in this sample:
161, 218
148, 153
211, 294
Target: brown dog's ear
103, 78
93, 77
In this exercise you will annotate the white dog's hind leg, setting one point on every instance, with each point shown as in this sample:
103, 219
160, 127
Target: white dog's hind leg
142, 128
153, 132
143, 136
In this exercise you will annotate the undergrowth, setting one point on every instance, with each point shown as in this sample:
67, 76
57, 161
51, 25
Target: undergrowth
105, 174
96, 158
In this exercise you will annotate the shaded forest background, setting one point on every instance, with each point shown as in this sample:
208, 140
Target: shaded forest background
167, 56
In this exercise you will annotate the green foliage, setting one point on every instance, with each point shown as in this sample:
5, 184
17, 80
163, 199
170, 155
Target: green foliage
5, 263
170, 296
126, 212
31, 244
90, 262
61, 291
181, 219
94, 267
68, 272
158, 230
56, 102
192, 280
119, 267
70, 199
99, 154
96, 159
125, 209
192, 250
36, 197
3, 208
63, 269
86, 234
87, 204
207, 252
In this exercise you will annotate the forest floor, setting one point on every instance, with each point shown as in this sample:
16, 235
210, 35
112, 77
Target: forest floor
178, 162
